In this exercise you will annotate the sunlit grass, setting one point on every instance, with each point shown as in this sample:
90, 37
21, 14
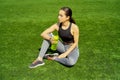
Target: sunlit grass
21, 23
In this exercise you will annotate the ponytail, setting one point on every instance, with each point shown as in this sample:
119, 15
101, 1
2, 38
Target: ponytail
72, 20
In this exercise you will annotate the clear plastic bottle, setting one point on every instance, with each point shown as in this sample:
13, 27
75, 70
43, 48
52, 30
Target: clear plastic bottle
54, 45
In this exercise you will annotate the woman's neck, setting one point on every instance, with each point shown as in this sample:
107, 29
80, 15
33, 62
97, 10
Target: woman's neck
66, 24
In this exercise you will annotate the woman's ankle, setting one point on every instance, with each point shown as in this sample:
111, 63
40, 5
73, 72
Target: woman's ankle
39, 58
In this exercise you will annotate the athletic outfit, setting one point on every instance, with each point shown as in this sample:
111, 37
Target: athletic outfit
62, 47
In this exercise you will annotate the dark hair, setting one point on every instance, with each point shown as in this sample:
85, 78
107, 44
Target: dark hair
68, 12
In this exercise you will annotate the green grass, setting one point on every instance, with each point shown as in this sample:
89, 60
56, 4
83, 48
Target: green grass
21, 23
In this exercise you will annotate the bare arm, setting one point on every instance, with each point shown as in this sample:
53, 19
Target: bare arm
76, 39
49, 30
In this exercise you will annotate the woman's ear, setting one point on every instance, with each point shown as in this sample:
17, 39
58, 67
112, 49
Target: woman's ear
68, 17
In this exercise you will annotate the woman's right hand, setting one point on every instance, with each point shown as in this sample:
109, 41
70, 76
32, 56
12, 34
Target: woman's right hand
52, 40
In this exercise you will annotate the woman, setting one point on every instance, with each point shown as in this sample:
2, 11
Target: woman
68, 46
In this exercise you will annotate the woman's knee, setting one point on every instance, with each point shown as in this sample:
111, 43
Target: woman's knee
71, 63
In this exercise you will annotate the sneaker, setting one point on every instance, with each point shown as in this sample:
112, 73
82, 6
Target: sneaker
50, 55
36, 64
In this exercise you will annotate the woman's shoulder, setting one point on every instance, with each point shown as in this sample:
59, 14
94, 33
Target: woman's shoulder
74, 26
56, 25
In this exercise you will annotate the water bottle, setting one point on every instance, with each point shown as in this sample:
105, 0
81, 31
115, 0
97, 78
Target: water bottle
54, 45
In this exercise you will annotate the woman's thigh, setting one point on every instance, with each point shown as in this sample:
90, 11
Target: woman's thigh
60, 47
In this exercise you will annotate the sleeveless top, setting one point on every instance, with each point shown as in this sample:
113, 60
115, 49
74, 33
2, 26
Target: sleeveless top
66, 35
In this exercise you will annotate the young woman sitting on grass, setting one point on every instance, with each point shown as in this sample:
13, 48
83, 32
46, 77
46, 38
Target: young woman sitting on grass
68, 45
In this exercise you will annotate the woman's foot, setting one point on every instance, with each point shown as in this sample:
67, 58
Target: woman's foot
36, 63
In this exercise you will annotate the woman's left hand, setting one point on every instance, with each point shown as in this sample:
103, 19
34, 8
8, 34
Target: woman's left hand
63, 55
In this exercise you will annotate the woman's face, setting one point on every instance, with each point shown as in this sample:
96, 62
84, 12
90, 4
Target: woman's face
62, 17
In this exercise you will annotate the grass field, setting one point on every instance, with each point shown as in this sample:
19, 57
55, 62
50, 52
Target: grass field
22, 21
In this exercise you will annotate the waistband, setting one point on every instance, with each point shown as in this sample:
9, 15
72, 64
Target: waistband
67, 43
